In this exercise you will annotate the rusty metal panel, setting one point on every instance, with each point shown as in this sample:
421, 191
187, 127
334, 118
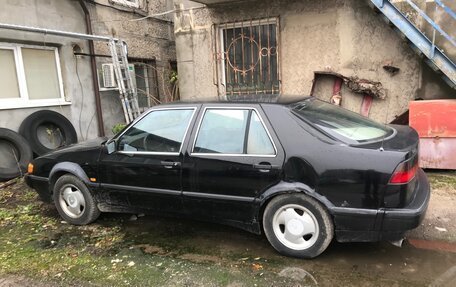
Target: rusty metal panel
438, 153
436, 118
435, 122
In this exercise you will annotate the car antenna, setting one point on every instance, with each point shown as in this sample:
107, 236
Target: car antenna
386, 119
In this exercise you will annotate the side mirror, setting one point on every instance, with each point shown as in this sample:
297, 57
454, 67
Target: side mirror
111, 146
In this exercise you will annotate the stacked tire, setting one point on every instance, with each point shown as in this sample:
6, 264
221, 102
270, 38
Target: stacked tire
47, 130
15, 154
40, 133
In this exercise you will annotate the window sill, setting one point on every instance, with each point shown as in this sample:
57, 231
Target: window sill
18, 104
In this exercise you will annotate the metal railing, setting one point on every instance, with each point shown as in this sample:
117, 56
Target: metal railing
434, 25
437, 58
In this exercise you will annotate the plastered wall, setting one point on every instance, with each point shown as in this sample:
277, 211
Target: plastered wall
61, 15
346, 37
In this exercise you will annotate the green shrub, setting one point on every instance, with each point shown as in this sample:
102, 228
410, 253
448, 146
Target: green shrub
117, 128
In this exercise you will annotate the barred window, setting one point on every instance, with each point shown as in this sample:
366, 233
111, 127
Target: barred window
248, 58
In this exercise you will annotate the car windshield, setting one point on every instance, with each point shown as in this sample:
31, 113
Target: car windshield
340, 123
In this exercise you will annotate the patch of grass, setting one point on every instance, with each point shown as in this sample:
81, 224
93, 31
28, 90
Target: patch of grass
443, 180
5, 194
106, 253
148, 252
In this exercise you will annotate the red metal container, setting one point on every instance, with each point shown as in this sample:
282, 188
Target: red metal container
435, 122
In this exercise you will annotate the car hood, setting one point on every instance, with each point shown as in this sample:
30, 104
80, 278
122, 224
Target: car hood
79, 147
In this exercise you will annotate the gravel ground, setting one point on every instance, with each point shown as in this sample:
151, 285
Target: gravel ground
440, 221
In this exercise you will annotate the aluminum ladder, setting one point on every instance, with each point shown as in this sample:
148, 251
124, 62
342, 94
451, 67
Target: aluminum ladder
127, 91
436, 58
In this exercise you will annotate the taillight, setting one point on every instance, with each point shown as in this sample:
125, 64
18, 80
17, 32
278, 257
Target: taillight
404, 172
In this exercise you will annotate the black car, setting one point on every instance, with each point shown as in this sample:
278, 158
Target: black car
300, 172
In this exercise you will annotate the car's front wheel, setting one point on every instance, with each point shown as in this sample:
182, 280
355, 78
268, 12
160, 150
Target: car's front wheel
74, 201
297, 225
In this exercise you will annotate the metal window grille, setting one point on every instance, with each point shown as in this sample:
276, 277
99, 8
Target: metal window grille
248, 59
145, 81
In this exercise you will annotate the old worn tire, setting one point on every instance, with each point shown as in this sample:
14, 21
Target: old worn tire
29, 129
24, 154
288, 221
70, 193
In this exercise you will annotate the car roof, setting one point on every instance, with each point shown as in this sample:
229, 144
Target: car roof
247, 99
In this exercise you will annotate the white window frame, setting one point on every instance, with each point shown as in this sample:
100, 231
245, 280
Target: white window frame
131, 3
24, 101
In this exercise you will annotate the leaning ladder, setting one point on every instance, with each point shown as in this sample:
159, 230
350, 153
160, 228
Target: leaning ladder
127, 91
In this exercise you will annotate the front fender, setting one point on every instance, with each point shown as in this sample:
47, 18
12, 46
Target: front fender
67, 167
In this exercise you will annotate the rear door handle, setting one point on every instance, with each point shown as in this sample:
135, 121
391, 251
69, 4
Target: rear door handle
263, 166
170, 164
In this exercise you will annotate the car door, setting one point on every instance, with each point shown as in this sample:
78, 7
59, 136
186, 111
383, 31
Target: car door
234, 156
145, 168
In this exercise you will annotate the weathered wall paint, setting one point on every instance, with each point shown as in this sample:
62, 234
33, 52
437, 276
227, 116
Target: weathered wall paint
60, 15
152, 38
347, 37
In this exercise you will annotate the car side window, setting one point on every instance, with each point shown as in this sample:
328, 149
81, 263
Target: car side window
258, 141
158, 131
222, 131
232, 131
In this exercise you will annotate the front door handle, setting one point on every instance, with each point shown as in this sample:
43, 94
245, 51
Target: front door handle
170, 164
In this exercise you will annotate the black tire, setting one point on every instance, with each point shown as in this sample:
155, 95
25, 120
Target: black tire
88, 214
24, 154
29, 130
320, 218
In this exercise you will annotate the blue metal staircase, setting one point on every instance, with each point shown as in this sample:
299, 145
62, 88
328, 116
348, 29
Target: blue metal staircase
435, 56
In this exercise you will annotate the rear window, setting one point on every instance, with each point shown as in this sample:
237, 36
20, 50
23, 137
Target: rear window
340, 123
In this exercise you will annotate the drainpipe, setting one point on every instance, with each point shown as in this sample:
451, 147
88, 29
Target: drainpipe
93, 66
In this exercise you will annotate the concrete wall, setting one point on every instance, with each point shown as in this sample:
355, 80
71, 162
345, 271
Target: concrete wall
346, 37
149, 39
62, 15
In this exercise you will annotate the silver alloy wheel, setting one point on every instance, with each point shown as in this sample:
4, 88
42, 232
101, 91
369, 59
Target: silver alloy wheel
295, 227
72, 201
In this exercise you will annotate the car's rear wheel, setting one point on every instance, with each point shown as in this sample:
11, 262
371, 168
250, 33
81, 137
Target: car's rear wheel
74, 201
297, 225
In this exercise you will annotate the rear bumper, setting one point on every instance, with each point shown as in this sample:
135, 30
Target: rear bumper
409, 217
41, 185
368, 225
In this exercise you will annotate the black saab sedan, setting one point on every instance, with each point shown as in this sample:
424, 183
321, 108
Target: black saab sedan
301, 172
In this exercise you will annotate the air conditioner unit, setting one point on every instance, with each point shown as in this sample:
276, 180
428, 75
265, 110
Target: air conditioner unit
109, 77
